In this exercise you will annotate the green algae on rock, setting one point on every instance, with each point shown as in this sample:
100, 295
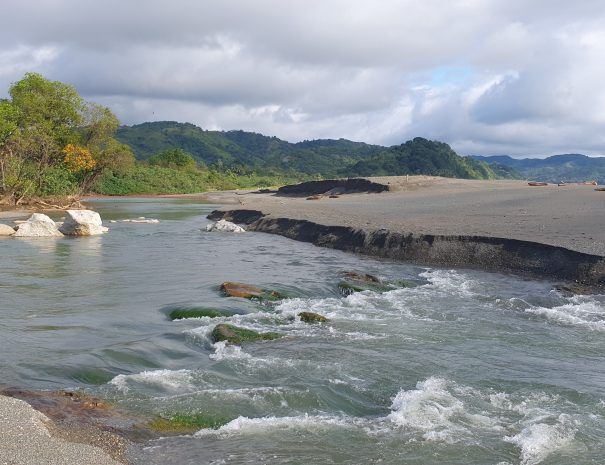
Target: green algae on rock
237, 335
311, 317
185, 313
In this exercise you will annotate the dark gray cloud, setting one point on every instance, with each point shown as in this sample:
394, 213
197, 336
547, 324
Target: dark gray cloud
487, 76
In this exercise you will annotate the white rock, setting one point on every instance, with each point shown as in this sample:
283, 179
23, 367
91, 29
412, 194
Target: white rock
82, 223
225, 226
38, 225
6, 230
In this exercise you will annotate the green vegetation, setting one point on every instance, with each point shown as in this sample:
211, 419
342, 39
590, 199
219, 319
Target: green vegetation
558, 168
184, 313
181, 423
53, 143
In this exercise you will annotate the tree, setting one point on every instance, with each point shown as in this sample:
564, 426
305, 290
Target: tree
175, 159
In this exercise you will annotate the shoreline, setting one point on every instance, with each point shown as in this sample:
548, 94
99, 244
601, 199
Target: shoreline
497, 226
31, 437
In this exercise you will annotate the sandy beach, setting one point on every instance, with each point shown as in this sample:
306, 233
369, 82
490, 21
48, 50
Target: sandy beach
567, 216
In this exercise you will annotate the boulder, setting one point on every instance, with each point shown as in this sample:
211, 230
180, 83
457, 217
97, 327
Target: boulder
246, 291
6, 230
311, 317
82, 223
225, 226
237, 335
38, 225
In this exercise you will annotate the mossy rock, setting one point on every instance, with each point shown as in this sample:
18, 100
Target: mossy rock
183, 423
237, 335
348, 287
405, 283
184, 313
247, 291
311, 317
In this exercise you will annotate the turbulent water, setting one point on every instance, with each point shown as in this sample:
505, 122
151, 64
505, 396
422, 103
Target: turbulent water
466, 368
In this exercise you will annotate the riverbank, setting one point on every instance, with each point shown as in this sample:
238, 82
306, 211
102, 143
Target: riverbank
31, 438
552, 231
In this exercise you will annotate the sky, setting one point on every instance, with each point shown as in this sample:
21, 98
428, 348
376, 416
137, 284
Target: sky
516, 77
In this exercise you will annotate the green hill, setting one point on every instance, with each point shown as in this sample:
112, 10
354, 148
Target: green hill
570, 167
242, 151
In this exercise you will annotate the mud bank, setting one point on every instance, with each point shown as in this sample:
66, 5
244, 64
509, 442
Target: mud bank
478, 252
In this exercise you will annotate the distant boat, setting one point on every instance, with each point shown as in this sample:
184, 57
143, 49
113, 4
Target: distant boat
537, 183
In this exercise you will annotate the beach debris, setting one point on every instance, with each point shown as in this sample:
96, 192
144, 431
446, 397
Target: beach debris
537, 183
247, 291
236, 335
6, 230
314, 197
581, 183
225, 226
82, 223
312, 317
185, 313
38, 225
600, 189
142, 219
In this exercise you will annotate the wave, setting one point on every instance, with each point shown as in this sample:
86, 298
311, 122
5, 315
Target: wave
581, 311
171, 380
245, 425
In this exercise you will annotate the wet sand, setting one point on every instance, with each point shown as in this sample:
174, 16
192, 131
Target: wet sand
572, 217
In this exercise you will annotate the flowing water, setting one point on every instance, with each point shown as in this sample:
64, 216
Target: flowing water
466, 368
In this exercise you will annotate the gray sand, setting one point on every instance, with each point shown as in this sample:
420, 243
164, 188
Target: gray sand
568, 216
26, 440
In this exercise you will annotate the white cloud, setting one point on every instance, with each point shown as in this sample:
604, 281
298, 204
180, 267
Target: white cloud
486, 76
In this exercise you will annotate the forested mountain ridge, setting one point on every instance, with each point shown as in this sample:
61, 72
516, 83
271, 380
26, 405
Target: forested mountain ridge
571, 167
324, 157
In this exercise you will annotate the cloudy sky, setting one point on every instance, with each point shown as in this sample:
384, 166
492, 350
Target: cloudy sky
519, 77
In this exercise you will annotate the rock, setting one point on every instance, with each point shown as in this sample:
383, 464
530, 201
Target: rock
246, 291
6, 230
314, 197
237, 335
357, 282
225, 226
574, 288
184, 313
311, 317
38, 225
331, 186
82, 223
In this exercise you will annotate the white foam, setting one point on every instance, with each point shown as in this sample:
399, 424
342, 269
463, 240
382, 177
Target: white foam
226, 351
245, 425
164, 379
538, 440
429, 408
450, 281
580, 311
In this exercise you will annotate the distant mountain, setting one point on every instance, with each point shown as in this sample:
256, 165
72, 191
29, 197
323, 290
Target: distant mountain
571, 167
325, 157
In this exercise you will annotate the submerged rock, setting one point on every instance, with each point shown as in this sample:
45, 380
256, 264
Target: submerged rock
184, 313
6, 230
311, 317
358, 282
225, 226
366, 278
82, 223
38, 225
246, 291
237, 335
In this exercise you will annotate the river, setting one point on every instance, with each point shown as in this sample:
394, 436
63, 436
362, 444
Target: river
465, 368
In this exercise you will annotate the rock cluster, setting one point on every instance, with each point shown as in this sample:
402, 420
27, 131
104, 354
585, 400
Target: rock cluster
77, 223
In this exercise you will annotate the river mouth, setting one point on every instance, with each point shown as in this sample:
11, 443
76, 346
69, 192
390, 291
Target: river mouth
467, 367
